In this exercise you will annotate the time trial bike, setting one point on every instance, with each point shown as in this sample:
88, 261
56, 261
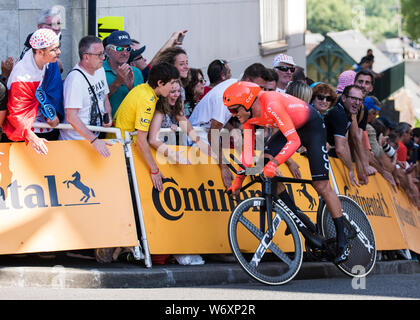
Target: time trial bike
264, 234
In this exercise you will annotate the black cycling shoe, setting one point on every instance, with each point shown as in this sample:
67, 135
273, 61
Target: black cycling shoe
342, 254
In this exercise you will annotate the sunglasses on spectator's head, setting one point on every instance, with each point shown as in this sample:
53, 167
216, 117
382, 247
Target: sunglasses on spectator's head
321, 97
119, 49
285, 69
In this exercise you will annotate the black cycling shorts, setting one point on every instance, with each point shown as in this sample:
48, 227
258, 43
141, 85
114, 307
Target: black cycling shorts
313, 137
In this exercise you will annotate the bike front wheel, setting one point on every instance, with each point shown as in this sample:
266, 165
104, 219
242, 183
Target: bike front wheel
360, 235
273, 261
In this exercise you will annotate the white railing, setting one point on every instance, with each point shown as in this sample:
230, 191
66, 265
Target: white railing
65, 126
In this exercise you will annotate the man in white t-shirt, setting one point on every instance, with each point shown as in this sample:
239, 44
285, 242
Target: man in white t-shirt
212, 115
86, 96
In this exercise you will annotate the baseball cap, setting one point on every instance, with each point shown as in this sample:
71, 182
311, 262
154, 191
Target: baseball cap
283, 58
43, 38
119, 38
135, 53
345, 79
370, 104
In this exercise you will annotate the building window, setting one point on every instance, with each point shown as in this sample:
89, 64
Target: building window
273, 15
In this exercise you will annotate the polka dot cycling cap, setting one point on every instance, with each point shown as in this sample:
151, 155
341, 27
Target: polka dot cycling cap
43, 38
283, 58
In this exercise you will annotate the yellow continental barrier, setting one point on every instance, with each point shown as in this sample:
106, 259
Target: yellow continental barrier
191, 214
70, 199
377, 199
409, 217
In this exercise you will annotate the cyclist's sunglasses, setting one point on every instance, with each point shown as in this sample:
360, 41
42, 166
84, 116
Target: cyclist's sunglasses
285, 69
119, 49
321, 97
234, 111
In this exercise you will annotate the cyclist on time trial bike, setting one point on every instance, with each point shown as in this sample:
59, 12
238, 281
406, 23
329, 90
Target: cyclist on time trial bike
298, 123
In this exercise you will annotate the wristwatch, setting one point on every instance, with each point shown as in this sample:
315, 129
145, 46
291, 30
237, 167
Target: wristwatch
3, 78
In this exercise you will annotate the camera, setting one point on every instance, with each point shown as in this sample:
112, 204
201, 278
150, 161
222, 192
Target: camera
388, 150
106, 118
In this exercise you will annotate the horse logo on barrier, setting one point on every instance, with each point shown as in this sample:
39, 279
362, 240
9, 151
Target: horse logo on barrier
306, 194
87, 192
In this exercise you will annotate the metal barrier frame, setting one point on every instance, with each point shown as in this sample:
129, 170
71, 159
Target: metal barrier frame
129, 155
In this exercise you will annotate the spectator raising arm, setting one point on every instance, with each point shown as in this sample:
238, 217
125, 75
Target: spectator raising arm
174, 40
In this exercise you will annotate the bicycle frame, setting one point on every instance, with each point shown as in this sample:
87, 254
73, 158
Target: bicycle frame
267, 194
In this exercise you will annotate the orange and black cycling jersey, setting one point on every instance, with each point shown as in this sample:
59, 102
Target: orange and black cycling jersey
278, 110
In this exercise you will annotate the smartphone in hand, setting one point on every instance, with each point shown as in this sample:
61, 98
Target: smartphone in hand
181, 37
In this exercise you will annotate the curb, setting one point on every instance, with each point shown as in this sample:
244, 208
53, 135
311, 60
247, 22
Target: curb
120, 275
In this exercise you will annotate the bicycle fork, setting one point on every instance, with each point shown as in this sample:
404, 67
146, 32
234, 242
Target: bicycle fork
272, 225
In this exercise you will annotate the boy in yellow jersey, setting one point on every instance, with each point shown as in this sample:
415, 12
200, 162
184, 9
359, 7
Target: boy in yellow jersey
137, 109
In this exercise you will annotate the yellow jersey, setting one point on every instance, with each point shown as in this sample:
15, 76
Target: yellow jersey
136, 110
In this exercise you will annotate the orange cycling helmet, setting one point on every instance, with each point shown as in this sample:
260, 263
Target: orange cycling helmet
242, 93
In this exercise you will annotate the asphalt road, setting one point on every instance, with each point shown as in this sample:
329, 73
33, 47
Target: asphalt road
375, 287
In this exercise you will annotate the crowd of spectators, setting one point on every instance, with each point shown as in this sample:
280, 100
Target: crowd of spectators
113, 85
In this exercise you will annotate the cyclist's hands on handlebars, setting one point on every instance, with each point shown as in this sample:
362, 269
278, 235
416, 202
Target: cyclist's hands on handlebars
270, 169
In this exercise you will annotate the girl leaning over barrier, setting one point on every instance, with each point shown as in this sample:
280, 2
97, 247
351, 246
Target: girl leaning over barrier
170, 114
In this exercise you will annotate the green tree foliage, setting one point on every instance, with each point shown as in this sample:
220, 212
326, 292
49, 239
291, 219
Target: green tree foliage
376, 19
410, 10
328, 15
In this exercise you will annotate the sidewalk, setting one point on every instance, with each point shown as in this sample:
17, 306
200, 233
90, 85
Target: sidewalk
64, 272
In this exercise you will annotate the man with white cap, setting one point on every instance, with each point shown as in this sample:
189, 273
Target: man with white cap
285, 67
23, 105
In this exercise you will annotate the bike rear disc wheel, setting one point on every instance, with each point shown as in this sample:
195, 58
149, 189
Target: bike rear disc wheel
362, 255
264, 260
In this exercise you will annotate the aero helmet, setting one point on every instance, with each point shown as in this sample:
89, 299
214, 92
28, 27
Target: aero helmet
242, 93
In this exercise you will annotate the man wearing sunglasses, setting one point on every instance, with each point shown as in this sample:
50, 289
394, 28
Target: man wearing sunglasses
338, 121
138, 60
120, 76
298, 123
285, 67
